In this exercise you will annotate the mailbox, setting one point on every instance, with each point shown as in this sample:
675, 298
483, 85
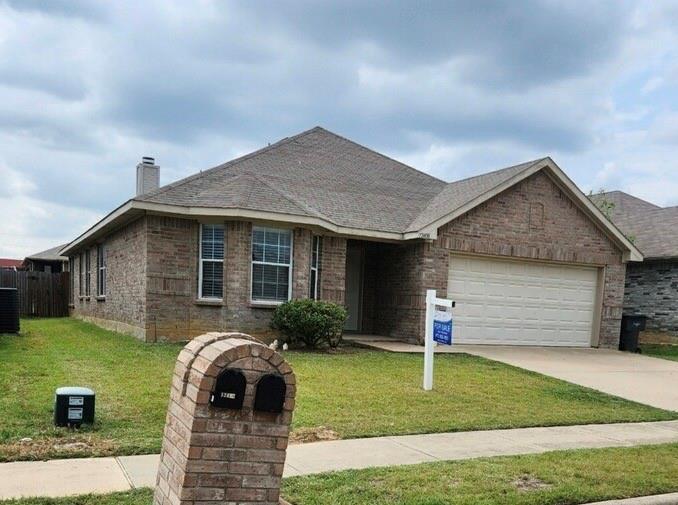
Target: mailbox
229, 391
270, 393
73, 406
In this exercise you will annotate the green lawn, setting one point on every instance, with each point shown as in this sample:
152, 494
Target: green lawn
355, 393
555, 478
665, 351
562, 477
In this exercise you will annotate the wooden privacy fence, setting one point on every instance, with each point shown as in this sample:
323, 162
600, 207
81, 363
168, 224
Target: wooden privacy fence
41, 294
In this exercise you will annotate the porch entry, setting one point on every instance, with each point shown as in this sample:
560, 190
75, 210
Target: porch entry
354, 284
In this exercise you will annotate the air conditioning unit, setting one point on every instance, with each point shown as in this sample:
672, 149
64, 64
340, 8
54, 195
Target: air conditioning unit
9, 310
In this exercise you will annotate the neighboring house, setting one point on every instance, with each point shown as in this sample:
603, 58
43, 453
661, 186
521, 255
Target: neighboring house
47, 261
10, 264
651, 286
529, 259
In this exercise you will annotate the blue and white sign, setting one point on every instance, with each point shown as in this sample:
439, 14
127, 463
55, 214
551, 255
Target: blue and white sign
442, 327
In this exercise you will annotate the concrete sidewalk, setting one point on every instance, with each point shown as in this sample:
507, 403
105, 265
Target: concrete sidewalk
104, 475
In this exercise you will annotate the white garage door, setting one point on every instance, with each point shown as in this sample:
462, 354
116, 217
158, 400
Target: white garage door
521, 303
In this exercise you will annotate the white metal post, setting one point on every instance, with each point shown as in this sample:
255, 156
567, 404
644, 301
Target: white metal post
428, 340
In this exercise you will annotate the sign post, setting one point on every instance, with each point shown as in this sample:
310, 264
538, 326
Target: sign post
438, 329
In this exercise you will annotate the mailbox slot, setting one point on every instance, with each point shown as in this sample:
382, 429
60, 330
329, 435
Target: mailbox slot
270, 394
229, 391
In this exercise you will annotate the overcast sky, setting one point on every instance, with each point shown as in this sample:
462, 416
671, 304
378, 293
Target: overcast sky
452, 88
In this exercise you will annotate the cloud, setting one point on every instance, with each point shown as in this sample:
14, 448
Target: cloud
454, 88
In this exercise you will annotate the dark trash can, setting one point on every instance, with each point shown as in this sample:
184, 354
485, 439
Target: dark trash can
631, 326
9, 310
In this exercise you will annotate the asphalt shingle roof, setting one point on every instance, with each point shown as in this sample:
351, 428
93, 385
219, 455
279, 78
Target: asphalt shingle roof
49, 255
318, 173
654, 229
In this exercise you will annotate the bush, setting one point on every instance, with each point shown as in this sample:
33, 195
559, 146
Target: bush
311, 322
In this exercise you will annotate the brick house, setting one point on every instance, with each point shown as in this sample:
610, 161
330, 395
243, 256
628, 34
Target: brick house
529, 259
651, 285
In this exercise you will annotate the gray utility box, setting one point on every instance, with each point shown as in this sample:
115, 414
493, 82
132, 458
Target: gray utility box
73, 406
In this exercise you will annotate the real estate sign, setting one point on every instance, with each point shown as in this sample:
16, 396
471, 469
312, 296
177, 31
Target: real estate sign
442, 327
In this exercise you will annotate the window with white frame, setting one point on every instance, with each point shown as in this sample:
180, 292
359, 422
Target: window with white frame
271, 264
81, 276
88, 271
314, 280
101, 270
71, 278
211, 275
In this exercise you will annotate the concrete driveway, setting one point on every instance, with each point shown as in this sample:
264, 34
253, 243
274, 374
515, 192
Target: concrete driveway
643, 379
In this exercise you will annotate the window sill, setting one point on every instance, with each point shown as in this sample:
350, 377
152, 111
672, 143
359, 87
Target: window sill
209, 302
264, 304
100, 298
86, 298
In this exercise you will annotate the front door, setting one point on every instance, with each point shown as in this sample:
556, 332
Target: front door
354, 279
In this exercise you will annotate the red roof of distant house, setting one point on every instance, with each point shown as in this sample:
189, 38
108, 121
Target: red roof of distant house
9, 263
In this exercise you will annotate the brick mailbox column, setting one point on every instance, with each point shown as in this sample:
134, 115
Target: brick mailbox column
227, 425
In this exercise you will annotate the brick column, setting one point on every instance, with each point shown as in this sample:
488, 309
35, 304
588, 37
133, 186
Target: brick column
237, 264
333, 270
213, 454
301, 264
613, 304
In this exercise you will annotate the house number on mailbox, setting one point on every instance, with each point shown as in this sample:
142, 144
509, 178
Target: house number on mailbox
229, 391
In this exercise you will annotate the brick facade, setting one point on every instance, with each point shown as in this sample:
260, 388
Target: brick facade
124, 307
652, 290
532, 220
153, 268
153, 281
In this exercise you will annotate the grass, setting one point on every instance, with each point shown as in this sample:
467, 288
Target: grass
356, 393
666, 351
555, 478
136, 497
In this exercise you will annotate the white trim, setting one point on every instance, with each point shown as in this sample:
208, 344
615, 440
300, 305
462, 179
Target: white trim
201, 260
101, 271
290, 266
315, 268
430, 231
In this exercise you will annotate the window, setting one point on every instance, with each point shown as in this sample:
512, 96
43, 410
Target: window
211, 275
81, 275
101, 270
271, 264
71, 278
314, 284
88, 271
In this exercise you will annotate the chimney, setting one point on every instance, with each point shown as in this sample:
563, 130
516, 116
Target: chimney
148, 175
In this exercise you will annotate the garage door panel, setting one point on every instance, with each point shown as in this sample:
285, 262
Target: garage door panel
521, 303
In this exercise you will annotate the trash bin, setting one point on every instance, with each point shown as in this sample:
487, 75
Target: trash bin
631, 326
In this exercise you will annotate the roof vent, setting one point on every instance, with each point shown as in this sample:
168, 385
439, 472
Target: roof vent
148, 176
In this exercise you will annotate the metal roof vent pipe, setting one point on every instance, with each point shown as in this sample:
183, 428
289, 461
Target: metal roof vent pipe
148, 176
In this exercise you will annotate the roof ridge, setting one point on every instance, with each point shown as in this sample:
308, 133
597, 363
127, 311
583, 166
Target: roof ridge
290, 198
229, 163
528, 165
320, 128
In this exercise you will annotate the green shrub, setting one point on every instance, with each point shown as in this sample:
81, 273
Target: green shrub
311, 322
